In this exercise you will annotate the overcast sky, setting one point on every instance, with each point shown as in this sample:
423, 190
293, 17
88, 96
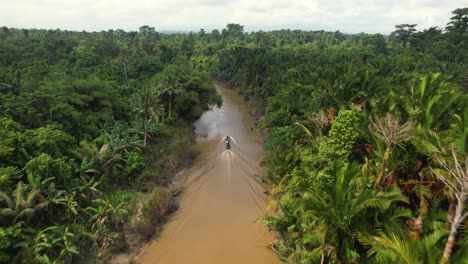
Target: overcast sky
349, 16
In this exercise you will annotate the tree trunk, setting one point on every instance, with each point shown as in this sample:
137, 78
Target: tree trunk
415, 227
451, 213
457, 220
460, 177
449, 246
383, 173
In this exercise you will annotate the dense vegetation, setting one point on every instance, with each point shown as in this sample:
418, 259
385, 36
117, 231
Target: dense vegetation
366, 134
367, 137
89, 123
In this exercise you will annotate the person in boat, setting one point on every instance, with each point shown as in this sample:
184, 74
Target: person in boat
228, 143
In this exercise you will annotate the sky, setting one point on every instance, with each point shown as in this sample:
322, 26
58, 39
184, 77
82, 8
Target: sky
348, 16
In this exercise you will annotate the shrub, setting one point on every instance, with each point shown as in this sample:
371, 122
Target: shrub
150, 211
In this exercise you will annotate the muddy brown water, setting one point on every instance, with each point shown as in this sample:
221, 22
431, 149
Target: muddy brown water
223, 196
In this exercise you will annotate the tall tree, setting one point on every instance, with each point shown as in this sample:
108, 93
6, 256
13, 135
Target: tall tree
459, 22
172, 88
403, 33
147, 104
457, 28
233, 31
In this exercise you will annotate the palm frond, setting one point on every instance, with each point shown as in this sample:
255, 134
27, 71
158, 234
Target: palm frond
429, 246
7, 212
305, 129
7, 199
391, 244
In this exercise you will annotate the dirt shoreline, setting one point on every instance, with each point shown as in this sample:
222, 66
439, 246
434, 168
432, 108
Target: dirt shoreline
134, 242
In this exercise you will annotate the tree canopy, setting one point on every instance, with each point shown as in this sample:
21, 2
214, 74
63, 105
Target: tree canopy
366, 136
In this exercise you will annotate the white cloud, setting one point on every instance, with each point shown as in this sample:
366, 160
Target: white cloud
351, 16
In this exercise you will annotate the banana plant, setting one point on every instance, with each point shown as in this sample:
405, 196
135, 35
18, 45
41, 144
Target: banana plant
54, 244
107, 213
22, 205
105, 218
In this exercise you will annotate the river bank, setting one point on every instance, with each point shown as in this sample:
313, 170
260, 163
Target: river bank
223, 195
155, 199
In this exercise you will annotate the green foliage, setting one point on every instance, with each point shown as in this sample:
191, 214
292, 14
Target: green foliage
44, 167
400, 103
342, 137
325, 216
10, 137
8, 236
8, 176
82, 112
432, 98
395, 248
279, 147
134, 163
53, 244
403, 33
20, 207
188, 92
49, 139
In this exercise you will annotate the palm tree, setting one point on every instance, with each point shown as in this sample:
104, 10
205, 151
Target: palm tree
450, 166
126, 51
431, 97
328, 215
389, 131
455, 176
342, 206
318, 122
148, 105
172, 89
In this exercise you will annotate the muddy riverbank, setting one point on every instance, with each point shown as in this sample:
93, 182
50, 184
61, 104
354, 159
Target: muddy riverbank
223, 195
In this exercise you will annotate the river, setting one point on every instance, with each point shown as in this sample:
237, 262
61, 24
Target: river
223, 196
